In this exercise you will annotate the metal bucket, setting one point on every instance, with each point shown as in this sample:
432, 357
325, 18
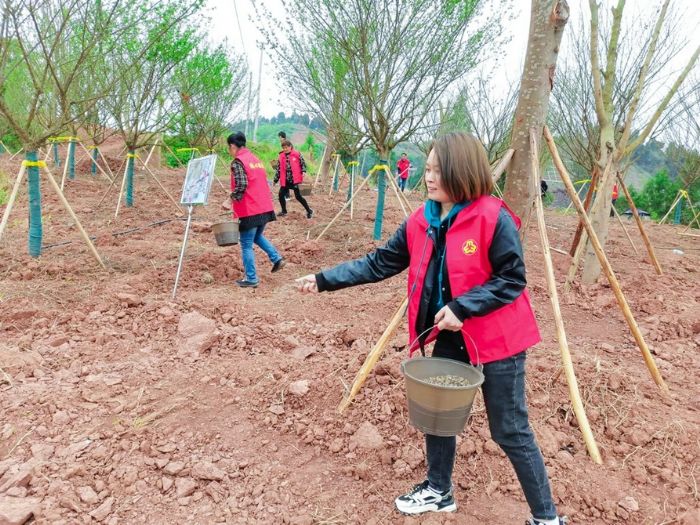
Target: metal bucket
305, 189
435, 409
226, 233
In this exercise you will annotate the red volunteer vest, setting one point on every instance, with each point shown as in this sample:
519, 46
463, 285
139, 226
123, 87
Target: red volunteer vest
402, 165
256, 198
615, 192
295, 162
502, 333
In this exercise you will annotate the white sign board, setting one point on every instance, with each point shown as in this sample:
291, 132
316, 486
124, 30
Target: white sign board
200, 174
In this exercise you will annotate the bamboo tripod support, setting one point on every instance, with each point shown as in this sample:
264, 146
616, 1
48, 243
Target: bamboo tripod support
16, 153
624, 229
679, 196
580, 245
110, 179
65, 171
172, 199
342, 209
637, 218
11, 200
569, 373
696, 216
318, 175
148, 157
373, 356
605, 265
121, 190
399, 194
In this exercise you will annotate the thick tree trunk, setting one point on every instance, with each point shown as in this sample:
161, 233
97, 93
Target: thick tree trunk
547, 21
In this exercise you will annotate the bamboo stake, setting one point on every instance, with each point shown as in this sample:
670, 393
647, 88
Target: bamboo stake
392, 183
173, 154
66, 205
645, 238
580, 246
502, 165
96, 163
696, 216
605, 265
113, 176
675, 202
402, 195
110, 185
151, 152
624, 229
318, 175
65, 171
177, 205
569, 373
373, 356
121, 190
17, 153
11, 200
587, 205
343, 208
579, 196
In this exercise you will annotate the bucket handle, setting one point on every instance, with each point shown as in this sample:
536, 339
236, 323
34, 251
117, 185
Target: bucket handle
434, 327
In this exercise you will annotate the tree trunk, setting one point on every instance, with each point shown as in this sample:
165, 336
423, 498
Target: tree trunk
547, 21
325, 162
600, 211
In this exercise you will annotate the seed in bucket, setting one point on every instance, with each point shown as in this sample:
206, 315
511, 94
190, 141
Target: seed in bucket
447, 380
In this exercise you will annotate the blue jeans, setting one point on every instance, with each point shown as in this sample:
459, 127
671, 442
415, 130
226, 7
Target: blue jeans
402, 184
506, 409
247, 238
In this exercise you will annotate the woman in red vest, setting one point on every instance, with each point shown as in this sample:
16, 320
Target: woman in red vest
402, 167
252, 205
290, 172
467, 292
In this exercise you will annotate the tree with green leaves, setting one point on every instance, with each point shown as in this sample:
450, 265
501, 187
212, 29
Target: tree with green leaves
210, 85
38, 69
144, 103
396, 58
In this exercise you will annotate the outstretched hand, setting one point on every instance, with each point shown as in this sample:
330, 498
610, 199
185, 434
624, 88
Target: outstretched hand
307, 284
447, 320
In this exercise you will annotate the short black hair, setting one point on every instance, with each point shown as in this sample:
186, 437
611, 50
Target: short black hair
282, 135
237, 139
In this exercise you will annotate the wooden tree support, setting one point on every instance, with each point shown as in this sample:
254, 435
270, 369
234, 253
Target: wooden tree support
624, 229
177, 205
373, 356
63, 199
587, 206
342, 209
335, 174
65, 172
637, 218
323, 158
16, 153
569, 373
11, 200
121, 190
502, 165
679, 196
148, 157
110, 179
605, 265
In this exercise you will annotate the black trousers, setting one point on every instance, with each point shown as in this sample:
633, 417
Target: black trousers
284, 193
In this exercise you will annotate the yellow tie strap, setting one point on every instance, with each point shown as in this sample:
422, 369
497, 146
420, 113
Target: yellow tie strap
33, 163
186, 149
353, 163
62, 139
377, 167
683, 193
132, 156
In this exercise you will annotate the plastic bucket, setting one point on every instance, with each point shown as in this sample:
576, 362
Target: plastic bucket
435, 409
305, 189
226, 233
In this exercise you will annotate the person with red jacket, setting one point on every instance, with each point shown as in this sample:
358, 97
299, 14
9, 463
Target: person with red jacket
290, 172
252, 205
615, 195
402, 168
467, 293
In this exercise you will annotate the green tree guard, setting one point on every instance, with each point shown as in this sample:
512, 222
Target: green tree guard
56, 158
130, 179
678, 211
71, 160
381, 190
335, 179
93, 166
2, 148
35, 228
351, 185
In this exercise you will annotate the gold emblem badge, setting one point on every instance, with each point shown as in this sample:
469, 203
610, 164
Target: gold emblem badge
469, 247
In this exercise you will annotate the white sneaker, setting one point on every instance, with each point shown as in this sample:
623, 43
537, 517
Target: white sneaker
422, 498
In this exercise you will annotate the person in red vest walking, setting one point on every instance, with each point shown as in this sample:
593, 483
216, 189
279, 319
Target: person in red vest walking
290, 172
402, 168
252, 205
615, 195
467, 293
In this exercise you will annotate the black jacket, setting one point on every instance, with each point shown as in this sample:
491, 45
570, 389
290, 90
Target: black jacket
506, 283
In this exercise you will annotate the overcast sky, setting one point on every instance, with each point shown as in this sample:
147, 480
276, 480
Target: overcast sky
224, 26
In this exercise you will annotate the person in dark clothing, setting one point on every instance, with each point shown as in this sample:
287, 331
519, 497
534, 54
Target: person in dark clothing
467, 292
543, 188
252, 205
290, 172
